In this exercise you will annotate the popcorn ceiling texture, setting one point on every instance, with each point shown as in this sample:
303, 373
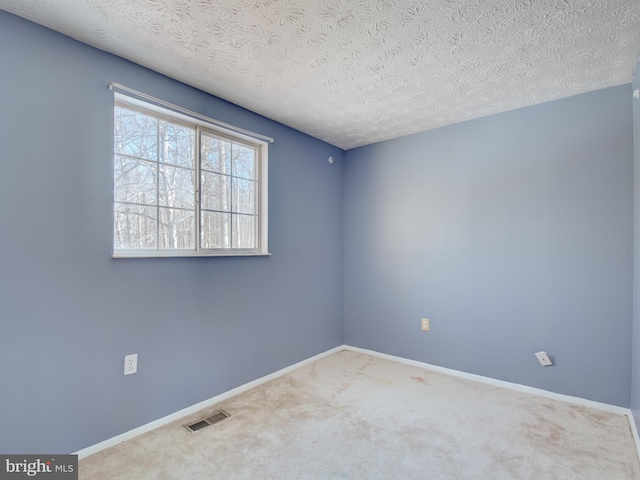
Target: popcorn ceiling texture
354, 72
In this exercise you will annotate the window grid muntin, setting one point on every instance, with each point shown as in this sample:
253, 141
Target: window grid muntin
137, 159
158, 118
256, 186
231, 212
194, 184
257, 195
157, 183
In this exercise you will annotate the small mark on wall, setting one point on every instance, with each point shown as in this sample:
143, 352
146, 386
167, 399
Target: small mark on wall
340, 474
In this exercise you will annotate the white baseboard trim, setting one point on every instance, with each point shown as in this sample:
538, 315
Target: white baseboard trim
498, 383
515, 386
634, 432
85, 452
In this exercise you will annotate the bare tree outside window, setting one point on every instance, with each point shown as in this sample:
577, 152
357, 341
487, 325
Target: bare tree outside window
167, 197
229, 188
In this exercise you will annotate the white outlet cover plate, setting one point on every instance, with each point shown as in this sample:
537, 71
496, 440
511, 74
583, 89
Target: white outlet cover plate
544, 359
131, 364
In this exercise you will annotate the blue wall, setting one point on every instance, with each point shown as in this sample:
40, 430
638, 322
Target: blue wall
635, 367
513, 233
69, 312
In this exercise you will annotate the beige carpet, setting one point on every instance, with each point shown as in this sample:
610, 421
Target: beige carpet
354, 416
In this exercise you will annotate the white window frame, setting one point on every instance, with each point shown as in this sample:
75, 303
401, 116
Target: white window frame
262, 207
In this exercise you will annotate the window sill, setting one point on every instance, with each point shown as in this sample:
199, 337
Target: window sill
188, 255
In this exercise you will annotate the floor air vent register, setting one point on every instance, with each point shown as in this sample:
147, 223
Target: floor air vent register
217, 417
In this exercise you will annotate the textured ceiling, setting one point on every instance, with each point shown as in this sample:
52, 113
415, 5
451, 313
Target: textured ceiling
354, 72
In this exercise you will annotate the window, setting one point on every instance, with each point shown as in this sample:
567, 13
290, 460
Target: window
184, 187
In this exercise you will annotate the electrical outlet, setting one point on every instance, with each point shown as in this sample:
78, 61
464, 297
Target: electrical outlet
131, 364
425, 324
544, 359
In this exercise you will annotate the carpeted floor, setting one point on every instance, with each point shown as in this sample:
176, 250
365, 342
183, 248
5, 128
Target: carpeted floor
354, 416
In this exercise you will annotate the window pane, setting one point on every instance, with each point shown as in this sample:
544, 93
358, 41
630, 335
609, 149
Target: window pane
243, 161
134, 226
244, 231
216, 154
216, 192
177, 144
134, 181
177, 187
135, 134
216, 230
244, 196
181, 185
177, 228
